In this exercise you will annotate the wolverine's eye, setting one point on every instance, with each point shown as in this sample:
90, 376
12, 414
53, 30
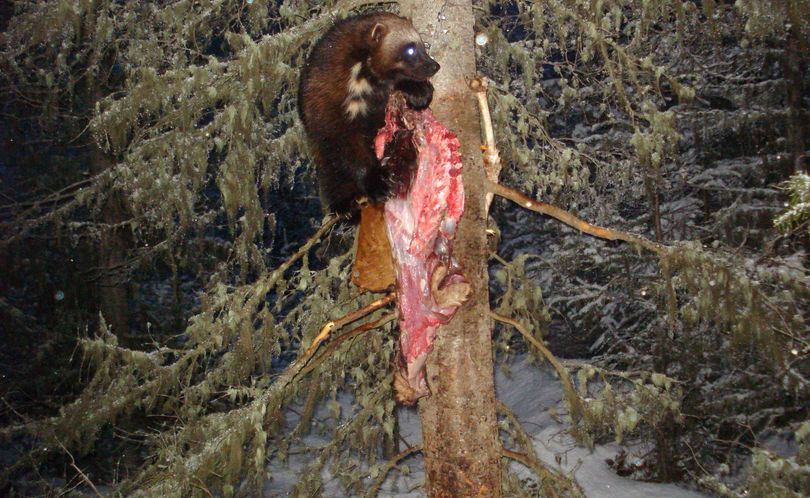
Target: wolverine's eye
409, 53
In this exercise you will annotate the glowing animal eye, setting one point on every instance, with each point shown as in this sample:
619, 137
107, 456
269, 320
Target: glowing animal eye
409, 52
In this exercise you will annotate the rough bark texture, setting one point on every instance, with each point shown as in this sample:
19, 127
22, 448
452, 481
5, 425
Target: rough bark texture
459, 426
794, 63
112, 292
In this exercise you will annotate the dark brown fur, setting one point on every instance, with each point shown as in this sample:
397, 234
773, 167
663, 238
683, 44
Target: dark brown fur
343, 92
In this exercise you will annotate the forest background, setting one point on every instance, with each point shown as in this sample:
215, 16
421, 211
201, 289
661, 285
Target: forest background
159, 275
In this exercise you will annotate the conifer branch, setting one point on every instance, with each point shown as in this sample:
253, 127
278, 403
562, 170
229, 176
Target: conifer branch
492, 158
82, 475
308, 412
572, 221
529, 457
54, 197
327, 225
340, 322
492, 162
574, 403
539, 469
348, 335
390, 464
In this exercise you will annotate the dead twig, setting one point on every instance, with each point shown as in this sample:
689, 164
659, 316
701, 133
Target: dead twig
14, 411
572, 221
492, 158
327, 225
492, 163
573, 400
79, 471
201, 487
344, 337
531, 461
542, 472
390, 464
340, 322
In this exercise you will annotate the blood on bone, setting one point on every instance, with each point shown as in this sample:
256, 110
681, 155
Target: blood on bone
421, 225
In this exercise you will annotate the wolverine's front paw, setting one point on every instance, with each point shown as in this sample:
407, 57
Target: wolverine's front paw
345, 208
399, 162
418, 94
378, 186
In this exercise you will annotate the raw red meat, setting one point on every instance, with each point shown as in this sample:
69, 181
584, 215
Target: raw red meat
421, 224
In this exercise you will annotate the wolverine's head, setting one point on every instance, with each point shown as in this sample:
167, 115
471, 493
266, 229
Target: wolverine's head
398, 52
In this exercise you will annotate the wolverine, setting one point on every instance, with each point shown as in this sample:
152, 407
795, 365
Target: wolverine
343, 92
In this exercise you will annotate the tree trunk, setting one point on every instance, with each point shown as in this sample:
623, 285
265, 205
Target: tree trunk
111, 288
461, 444
794, 66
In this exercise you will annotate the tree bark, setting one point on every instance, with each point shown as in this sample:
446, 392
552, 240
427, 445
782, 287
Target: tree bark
111, 289
794, 66
112, 250
461, 444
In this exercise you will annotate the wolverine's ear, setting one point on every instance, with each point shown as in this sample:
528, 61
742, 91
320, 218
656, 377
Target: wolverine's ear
377, 34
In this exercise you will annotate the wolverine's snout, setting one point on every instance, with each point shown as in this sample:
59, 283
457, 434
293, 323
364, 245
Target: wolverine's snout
427, 68
432, 66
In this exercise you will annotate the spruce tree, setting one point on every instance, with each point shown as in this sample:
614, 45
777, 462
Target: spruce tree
161, 205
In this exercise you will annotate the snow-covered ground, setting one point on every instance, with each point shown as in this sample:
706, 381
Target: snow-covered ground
530, 391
